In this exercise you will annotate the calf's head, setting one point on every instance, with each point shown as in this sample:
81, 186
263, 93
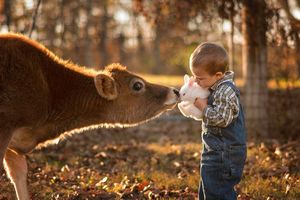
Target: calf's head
129, 99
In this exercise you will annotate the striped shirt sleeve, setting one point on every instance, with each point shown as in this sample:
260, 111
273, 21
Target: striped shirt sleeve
224, 109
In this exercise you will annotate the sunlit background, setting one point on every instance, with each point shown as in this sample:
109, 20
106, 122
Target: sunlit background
140, 34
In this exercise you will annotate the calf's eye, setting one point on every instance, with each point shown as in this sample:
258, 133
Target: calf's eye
137, 86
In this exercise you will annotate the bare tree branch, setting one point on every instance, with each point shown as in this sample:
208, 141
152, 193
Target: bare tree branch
34, 17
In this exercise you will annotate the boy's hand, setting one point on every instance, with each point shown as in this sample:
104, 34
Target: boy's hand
200, 103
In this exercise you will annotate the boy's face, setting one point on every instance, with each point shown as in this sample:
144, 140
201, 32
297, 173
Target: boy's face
204, 79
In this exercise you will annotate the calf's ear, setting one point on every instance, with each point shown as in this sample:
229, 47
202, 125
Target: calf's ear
106, 86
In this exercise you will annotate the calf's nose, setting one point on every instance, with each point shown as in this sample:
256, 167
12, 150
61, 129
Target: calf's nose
176, 92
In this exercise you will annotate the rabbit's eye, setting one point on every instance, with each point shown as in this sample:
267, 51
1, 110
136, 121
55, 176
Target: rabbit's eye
183, 94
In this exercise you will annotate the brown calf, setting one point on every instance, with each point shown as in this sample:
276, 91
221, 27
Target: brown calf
42, 97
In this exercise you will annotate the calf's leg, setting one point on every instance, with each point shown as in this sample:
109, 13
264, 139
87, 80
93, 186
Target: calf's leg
5, 137
16, 169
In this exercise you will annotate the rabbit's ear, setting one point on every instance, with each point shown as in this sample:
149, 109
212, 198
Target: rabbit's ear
191, 81
186, 78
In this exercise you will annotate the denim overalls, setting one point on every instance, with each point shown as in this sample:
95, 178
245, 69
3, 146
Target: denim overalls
223, 156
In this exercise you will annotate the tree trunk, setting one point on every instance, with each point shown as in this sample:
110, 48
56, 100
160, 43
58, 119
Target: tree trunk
297, 49
7, 13
231, 42
297, 43
88, 57
62, 22
141, 46
74, 28
295, 24
2, 16
156, 49
103, 36
157, 39
255, 63
121, 45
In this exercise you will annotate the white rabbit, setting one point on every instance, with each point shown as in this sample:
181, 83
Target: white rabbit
188, 94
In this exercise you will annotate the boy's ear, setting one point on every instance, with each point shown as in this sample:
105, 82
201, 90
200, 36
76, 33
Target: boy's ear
106, 86
219, 74
186, 78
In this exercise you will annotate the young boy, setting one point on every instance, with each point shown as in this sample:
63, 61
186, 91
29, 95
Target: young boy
223, 129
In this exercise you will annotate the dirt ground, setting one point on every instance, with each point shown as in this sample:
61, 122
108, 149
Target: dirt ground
156, 160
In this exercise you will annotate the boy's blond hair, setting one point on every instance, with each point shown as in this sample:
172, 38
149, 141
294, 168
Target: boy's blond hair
212, 57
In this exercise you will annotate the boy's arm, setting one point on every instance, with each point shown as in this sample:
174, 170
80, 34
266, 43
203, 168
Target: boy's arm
224, 109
